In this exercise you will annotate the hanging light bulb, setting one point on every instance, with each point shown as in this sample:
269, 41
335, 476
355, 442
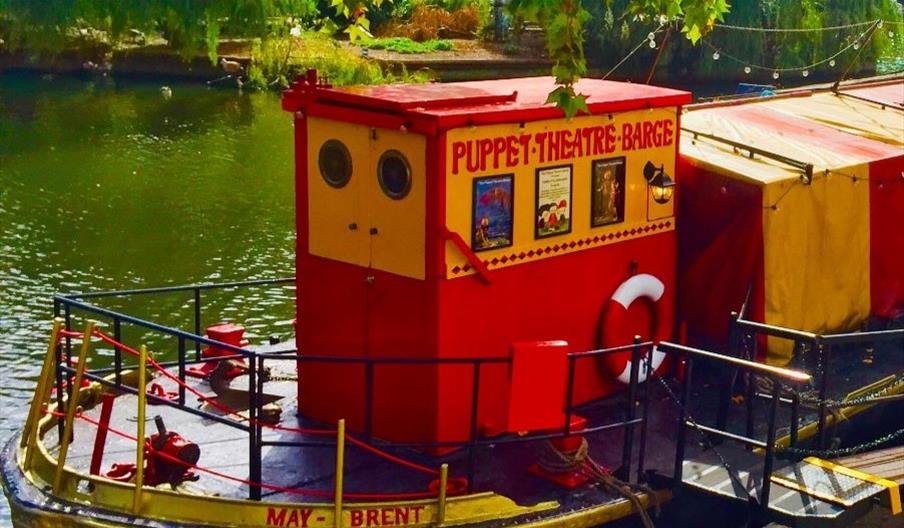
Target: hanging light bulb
891, 34
805, 73
832, 62
880, 24
856, 45
746, 69
652, 43
775, 75
716, 55
651, 36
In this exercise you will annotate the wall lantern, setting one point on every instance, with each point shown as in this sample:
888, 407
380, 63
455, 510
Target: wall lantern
661, 185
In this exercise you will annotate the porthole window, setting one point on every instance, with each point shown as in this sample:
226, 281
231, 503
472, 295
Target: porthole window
394, 174
335, 163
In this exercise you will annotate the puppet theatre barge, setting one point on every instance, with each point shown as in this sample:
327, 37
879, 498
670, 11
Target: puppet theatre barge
488, 301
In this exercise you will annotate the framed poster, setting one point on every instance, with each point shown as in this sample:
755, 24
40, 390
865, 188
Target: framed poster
607, 192
553, 205
492, 212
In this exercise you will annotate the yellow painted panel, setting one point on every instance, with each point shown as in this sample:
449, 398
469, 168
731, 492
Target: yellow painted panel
332, 210
398, 246
845, 113
816, 255
526, 149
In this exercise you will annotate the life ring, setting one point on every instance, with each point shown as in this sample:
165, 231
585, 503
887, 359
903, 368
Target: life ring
618, 364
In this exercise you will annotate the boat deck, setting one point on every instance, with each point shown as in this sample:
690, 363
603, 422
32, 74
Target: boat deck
501, 468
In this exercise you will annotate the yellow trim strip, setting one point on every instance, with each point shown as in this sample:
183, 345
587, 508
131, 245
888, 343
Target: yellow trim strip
71, 404
340, 472
441, 498
40, 391
139, 447
895, 496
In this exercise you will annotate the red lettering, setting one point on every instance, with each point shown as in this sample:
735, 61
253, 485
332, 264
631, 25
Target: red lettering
458, 151
626, 137
637, 136
610, 138
552, 146
485, 147
401, 515
305, 515
385, 518
372, 518
293, 519
587, 133
667, 133
647, 134
598, 134
565, 144
511, 151
472, 164
540, 139
525, 148
275, 518
657, 135
498, 149
357, 518
417, 513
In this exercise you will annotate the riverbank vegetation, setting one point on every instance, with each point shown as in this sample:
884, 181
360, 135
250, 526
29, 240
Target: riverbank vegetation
279, 38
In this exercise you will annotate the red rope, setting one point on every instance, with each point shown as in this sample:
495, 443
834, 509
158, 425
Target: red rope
226, 410
271, 487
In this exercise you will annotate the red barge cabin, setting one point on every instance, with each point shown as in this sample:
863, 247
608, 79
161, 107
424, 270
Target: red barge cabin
470, 219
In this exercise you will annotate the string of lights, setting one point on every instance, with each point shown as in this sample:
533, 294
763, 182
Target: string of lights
804, 70
794, 30
651, 39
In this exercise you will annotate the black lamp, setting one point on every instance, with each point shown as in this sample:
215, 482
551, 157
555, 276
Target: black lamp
661, 185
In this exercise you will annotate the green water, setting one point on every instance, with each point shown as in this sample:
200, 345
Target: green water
109, 185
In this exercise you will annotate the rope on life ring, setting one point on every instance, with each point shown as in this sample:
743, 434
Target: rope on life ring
639, 286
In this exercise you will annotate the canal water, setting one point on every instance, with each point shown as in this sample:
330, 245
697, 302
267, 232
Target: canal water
109, 185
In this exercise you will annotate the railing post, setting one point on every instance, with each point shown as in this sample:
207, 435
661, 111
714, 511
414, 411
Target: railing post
726, 383
368, 399
117, 351
40, 395
628, 443
751, 385
59, 362
569, 393
181, 370
139, 447
641, 456
795, 412
71, 405
770, 445
824, 353
340, 471
682, 417
197, 292
441, 498
254, 469
475, 394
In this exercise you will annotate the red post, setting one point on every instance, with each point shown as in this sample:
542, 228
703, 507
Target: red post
100, 439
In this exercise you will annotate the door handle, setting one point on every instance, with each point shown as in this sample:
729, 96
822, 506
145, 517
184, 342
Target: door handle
373, 231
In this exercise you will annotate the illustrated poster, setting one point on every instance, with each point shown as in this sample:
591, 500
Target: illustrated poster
492, 212
607, 202
553, 211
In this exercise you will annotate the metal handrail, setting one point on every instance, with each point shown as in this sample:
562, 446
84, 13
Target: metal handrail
768, 370
66, 303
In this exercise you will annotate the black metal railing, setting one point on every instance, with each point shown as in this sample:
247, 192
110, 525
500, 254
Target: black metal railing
66, 305
746, 336
689, 356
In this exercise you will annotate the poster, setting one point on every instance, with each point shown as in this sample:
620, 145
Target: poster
607, 192
553, 206
492, 212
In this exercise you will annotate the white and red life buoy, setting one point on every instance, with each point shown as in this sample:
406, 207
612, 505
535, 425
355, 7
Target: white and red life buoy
614, 321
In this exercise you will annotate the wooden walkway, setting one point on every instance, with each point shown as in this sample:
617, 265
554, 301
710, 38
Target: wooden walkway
886, 463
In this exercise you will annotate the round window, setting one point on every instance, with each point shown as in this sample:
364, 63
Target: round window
394, 174
335, 163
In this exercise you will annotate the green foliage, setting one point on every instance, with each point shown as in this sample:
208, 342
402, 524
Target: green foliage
565, 20
406, 45
276, 61
188, 26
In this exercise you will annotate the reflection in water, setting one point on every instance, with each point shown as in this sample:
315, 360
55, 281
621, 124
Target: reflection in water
108, 185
